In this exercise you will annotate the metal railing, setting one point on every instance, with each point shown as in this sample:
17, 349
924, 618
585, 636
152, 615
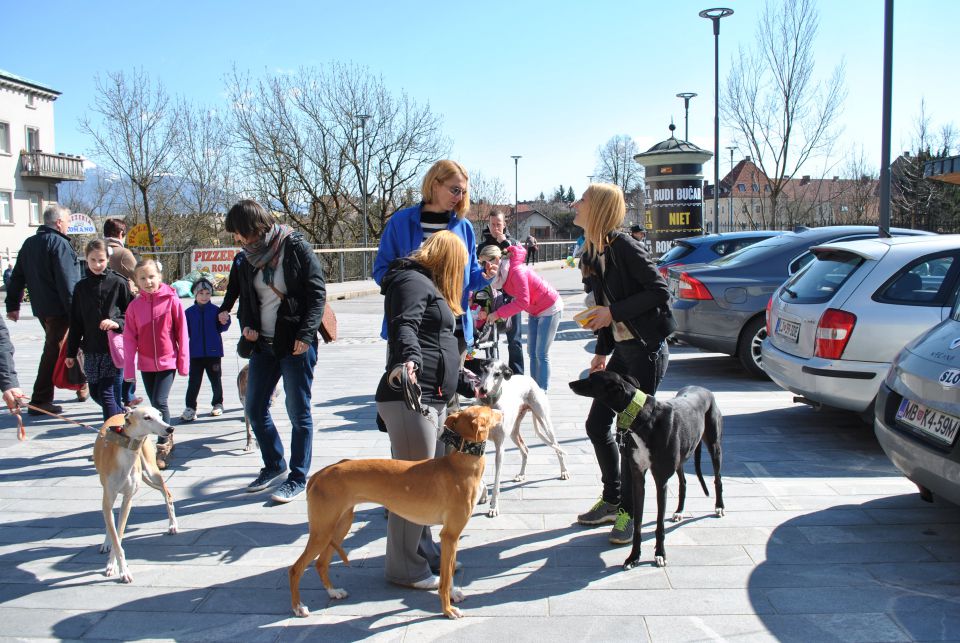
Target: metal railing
51, 166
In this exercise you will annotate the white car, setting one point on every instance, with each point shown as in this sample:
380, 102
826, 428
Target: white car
835, 327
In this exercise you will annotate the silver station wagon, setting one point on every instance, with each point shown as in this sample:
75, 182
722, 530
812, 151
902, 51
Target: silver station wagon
917, 417
835, 327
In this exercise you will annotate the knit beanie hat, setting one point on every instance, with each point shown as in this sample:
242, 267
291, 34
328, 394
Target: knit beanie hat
201, 284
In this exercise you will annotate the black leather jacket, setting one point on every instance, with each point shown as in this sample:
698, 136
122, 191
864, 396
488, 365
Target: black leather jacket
633, 289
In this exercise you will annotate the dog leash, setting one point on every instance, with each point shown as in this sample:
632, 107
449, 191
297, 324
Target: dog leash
22, 432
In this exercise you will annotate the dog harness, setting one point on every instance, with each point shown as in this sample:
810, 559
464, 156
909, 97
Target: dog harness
115, 435
461, 444
626, 417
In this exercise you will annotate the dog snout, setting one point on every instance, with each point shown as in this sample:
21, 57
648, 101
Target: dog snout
169, 430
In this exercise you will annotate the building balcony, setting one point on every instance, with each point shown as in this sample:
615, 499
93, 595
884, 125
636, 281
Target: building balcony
53, 167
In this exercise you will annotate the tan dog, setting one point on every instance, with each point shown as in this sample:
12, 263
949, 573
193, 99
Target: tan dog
242, 390
123, 453
439, 491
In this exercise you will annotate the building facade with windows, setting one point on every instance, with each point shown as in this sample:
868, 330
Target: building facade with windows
30, 167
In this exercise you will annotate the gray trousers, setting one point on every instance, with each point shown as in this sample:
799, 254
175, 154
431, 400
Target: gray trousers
411, 550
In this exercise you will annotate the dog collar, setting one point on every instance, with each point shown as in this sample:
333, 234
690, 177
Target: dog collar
123, 441
626, 417
461, 444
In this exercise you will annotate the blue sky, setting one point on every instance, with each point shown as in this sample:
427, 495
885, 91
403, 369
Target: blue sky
549, 80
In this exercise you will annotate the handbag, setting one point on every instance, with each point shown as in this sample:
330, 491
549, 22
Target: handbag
328, 325
71, 379
115, 342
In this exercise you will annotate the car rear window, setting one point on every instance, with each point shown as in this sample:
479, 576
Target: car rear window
921, 283
822, 278
728, 246
679, 251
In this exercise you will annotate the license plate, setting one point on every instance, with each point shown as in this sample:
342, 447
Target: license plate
939, 426
788, 329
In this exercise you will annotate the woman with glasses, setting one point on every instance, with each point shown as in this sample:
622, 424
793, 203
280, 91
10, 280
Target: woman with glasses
446, 200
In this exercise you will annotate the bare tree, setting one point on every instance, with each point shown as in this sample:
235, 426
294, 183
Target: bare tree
615, 164
301, 142
774, 103
135, 133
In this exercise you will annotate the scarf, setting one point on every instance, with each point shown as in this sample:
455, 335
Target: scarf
265, 252
502, 272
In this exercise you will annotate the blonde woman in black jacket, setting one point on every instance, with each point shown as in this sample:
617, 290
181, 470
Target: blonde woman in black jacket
632, 322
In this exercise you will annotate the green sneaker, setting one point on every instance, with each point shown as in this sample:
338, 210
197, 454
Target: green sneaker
599, 513
622, 532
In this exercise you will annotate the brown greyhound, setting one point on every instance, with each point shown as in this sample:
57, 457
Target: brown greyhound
439, 491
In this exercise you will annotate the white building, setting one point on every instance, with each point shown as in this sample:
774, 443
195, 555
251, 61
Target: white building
30, 167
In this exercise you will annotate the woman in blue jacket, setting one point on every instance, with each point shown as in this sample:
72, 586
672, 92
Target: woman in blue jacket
446, 200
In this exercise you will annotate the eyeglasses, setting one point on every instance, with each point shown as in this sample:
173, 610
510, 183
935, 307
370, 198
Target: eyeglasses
456, 191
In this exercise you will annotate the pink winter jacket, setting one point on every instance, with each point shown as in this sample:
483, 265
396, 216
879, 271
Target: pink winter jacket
530, 292
155, 334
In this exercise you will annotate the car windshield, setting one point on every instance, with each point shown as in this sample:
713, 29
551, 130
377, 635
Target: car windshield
678, 251
822, 278
748, 253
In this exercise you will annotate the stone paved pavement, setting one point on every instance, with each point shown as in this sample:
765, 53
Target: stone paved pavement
822, 540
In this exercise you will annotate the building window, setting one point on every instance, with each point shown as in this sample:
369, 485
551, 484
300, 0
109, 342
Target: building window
31, 101
33, 139
756, 209
741, 187
35, 208
6, 207
4, 138
756, 188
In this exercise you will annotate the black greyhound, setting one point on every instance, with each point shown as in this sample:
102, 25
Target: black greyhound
659, 436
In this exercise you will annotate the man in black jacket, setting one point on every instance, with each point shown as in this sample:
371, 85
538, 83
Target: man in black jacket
48, 265
496, 235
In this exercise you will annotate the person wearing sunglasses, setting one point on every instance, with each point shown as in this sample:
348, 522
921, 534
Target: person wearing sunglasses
446, 201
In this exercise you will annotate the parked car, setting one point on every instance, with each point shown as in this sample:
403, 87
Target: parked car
719, 306
917, 415
835, 327
708, 247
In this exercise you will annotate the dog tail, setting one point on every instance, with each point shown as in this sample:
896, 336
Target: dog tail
696, 465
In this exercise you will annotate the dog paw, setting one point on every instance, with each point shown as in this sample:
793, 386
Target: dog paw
111, 569
337, 594
126, 576
661, 561
564, 475
493, 512
248, 448
301, 610
519, 477
677, 517
720, 512
630, 563
453, 613
174, 529
105, 548
457, 595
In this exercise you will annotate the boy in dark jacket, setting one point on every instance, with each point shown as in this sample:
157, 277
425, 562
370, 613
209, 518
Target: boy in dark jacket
206, 349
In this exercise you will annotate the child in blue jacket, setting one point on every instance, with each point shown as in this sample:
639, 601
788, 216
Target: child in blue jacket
206, 349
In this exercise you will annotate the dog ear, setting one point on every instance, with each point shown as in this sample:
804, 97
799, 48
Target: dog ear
507, 372
451, 420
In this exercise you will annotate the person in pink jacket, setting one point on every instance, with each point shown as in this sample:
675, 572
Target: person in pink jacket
155, 341
532, 295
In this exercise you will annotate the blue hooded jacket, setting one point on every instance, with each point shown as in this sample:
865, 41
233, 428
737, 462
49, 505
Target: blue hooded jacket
404, 234
204, 329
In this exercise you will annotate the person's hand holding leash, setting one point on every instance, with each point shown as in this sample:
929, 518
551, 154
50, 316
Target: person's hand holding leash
395, 373
12, 399
251, 334
108, 324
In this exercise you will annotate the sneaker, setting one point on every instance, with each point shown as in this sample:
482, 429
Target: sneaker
217, 410
430, 582
188, 415
599, 514
266, 478
288, 491
622, 532
49, 407
164, 450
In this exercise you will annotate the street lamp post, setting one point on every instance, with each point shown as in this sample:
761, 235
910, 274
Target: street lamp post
715, 15
686, 96
516, 183
363, 162
730, 198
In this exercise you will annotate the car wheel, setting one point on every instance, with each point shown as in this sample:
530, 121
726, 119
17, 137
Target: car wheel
748, 348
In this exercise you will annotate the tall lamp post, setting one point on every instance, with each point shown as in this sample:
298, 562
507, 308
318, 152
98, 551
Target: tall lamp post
686, 96
516, 217
730, 197
715, 15
363, 179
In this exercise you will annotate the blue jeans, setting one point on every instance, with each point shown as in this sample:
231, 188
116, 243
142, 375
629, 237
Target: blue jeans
515, 344
297, 373
540, 334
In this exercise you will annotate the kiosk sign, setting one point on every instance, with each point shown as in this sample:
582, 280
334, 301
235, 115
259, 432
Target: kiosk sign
675, 209
213, 260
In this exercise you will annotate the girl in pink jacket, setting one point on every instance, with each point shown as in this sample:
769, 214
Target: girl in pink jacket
155, 335
532, 295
